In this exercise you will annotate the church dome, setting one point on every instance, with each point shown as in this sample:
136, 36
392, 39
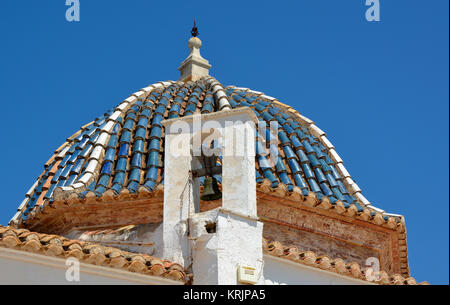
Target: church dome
121, 153
123, 150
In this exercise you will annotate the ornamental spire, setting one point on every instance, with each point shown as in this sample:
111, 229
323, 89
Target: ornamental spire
194, 66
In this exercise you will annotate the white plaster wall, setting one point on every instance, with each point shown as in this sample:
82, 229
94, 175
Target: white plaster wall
16, 273
238, 174
216, 256
205, 260
142, 238
281, 271
178, 200
239, 243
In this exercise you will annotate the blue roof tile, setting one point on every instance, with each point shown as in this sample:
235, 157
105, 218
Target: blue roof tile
306, 162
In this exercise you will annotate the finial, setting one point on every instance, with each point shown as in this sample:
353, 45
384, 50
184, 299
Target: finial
194, 30
194, 66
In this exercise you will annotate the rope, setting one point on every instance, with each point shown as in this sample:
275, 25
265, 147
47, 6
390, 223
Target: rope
188, 185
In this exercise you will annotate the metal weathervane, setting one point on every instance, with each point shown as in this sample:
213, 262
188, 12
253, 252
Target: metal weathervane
194, 30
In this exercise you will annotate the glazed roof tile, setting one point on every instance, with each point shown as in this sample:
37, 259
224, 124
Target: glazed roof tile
122, 150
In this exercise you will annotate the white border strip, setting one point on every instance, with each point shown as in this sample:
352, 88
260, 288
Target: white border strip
321, 135
100, 144
219, 93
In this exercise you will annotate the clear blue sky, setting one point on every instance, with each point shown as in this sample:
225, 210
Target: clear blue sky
379, 90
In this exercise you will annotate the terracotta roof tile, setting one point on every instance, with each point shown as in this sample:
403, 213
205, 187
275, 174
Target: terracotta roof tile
59, 246
337, 265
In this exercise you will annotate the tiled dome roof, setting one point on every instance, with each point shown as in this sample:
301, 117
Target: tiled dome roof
123, 149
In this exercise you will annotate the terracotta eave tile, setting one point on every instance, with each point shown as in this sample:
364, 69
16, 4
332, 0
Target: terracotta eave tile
58, 246
336, 265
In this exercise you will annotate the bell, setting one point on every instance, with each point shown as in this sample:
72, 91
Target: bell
211, 190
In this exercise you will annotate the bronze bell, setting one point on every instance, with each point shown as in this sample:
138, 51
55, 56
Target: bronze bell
211, 190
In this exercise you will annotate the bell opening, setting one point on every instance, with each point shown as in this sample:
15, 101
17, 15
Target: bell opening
207, 171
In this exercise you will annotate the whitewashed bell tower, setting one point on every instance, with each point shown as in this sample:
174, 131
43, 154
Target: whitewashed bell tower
236, 240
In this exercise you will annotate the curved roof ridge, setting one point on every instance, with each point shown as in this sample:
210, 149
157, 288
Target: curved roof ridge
321, 135
219, 93
100, 144
64, 192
